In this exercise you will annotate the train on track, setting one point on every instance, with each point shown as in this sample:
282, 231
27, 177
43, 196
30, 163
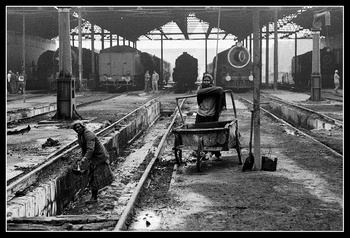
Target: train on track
185, 73
123, 67
330, 60
234, 66
48, 68
118, 68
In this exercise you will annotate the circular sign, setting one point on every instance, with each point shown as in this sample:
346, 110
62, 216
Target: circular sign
238, 56
228, 78
127, 79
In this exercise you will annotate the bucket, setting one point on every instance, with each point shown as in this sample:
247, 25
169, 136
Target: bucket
268, 164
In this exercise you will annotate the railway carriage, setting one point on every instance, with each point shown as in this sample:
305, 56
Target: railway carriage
330, 60
123, 67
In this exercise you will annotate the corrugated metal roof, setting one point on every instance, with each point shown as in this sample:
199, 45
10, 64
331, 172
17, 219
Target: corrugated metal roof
131, 22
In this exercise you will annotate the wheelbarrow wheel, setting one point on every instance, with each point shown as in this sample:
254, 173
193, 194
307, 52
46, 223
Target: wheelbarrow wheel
238, 147
178, 152
178, 156
199, 154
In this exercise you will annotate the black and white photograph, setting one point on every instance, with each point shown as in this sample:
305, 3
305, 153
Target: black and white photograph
174, 118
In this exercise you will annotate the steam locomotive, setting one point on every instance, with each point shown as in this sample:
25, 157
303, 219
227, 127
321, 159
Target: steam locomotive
185, 73
48, 67
234, 67
123, 67
330, 60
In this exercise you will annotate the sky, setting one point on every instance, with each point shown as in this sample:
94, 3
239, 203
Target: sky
196, 48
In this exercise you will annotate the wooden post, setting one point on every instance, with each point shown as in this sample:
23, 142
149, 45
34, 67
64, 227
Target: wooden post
217, 48
256, 92
275, 52
110, 39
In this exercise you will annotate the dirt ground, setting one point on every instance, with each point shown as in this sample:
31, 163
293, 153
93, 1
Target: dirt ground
305, 193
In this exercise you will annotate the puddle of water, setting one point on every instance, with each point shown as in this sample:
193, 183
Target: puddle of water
289, 131
146, 220
323, 125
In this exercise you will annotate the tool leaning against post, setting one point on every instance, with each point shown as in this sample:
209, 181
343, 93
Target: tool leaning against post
249, 161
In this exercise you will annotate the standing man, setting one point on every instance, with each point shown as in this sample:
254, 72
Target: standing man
21, 82
147, 81
9, 81
155, 78
13, 82
95, 159
17, 81
336, 81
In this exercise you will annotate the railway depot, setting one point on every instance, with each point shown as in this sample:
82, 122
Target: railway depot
154, 190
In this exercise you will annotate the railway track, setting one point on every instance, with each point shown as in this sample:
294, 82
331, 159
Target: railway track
82, 100
299, 129
118, 201
131, 172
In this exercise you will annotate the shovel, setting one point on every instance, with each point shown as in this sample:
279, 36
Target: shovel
249, 161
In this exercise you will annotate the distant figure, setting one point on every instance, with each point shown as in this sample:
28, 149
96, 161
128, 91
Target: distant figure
336, 81
9, 81
17, 82
95, 159
22, 82
13, 80
155, 78
147, 81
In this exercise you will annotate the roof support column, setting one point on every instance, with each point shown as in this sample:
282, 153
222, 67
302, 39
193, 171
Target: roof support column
103, 39
295, 54
267, 54
275, 52
260, 55
256, 92
161, 73
316, 83
93, 72
80, 46
24, 55
206, 54
250, 44
66, 101
92, 48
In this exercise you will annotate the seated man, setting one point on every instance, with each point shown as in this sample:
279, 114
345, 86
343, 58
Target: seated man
211, 101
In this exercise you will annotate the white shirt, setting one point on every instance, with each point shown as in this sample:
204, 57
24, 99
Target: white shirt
336, 78
155, 76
